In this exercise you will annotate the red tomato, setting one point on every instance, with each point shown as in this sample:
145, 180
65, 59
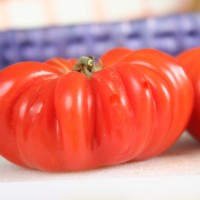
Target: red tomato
190, 62
54, 118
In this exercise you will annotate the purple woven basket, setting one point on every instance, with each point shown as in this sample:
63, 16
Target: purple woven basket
171, 34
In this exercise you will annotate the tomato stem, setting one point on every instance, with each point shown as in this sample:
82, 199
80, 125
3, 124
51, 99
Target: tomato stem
87, 65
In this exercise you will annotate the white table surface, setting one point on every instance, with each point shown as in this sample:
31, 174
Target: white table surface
173, 175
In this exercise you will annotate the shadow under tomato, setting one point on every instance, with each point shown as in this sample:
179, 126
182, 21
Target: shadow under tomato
186, 145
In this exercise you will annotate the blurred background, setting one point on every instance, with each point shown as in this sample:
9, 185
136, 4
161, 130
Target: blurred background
39, 13
41, 29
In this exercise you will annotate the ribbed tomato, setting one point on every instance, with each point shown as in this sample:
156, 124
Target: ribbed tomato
58, 117
190, 61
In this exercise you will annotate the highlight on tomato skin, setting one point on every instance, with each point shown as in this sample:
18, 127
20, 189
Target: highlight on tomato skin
189, 61
72, 115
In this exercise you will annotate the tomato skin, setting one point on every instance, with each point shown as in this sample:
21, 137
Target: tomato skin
56, 119
189, 61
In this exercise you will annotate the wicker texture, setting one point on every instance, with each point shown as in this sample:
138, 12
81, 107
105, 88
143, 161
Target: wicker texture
171, 34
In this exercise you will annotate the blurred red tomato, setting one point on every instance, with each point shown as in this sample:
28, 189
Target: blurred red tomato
190, 62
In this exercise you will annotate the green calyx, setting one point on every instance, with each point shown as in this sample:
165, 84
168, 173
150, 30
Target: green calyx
87, 65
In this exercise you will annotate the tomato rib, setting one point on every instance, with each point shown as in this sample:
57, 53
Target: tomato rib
114, 124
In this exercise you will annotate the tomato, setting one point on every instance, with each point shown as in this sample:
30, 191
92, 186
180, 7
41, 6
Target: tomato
58, 117
190, 62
